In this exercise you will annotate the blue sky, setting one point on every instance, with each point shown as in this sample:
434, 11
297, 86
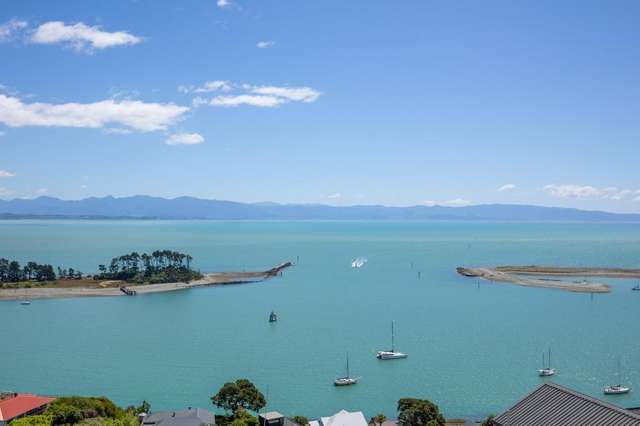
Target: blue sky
360, 102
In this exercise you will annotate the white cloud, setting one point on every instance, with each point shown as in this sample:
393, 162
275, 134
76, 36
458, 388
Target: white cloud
42, 191
246, 94
297, 94
81, 36
4, 173
507, 187
208, 86
212, 86
10, 28
335, 196
184, 139
222, 4
587, 191
4, 192
133, 115
457, 202
265, 44
253, 100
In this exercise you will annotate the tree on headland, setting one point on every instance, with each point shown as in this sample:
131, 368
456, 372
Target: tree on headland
241, 394
157, 267
12, 272
419, 412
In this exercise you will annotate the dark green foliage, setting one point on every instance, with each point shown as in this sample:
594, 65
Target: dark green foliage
241, 394
161, 266
74, 409
488, 421
301, 420
41, 420
419, 412
11, 271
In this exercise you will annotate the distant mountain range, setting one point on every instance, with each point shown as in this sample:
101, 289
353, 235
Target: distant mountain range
145, 207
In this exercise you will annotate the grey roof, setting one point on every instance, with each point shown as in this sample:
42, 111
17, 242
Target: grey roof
191, 417
554, 405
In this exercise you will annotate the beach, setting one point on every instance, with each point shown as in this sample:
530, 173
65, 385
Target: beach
210, 279
511, 275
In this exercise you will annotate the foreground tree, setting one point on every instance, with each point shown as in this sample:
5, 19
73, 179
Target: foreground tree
419, 412
488, 421
378, 419
301, 420
239, 394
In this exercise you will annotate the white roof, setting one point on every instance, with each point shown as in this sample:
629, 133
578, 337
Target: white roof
344, 418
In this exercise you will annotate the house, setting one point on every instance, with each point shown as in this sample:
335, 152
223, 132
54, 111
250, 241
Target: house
190, 417
273, 418
16, 405
554, 405
341, 418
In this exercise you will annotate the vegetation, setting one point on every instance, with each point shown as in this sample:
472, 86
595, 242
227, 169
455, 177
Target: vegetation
378, 419
488, 421
12, 272
85, 411
301, 420
238, 397
419, 412
161, 266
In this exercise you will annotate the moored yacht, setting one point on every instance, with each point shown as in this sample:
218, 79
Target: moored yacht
346, 380
391, 354
546, 370
616, 389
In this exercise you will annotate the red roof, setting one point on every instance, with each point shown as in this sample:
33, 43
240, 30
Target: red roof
20, 404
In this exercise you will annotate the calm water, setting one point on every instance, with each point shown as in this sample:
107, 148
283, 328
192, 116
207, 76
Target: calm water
473, 350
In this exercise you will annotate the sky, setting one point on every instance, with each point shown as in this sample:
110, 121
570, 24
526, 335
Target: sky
360, 102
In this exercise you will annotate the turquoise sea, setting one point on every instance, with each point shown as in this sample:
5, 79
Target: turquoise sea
473, 349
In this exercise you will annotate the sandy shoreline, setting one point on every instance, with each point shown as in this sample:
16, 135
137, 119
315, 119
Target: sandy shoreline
500, 275
211, 279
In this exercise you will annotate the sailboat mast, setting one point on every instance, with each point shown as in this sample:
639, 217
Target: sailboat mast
543, 363
348, 375
392, 339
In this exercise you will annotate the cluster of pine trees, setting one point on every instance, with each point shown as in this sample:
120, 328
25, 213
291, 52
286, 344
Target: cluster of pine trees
157, 267
12, 272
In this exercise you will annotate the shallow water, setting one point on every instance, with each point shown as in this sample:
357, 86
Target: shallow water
473, 349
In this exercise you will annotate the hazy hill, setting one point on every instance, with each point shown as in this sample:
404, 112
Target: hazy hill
196, 208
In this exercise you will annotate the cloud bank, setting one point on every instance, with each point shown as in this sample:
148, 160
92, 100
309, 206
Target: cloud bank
133, 115
587, 191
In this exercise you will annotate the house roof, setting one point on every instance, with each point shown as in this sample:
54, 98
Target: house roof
551, 404
344, 418
20, 404
271, 415
191, 417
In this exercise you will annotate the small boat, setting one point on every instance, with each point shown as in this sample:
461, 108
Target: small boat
636, 288
25, 302
273, 317
391, 354
546, 370
616, 389
359, 262
346, 380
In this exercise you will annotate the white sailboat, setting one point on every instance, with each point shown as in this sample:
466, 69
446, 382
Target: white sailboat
346, 380
391, 354
616, 389
546, 370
